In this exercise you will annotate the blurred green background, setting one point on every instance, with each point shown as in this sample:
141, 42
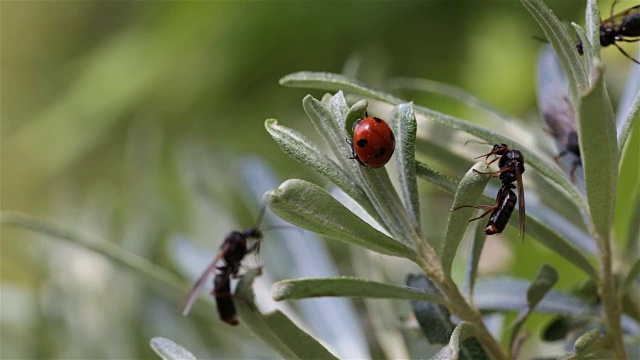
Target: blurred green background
109, 108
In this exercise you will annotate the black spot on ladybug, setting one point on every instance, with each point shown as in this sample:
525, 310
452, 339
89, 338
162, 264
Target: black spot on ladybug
392, 137
377, 119
362, 143
380, 152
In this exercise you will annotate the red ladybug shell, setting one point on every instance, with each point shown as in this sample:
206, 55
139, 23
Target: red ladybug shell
373, 142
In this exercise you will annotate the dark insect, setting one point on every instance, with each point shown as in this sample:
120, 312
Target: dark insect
556, 109
621, 27
562, 125
233, 250
511, 164
224, 298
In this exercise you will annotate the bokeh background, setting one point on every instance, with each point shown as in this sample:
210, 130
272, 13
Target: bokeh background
133, 121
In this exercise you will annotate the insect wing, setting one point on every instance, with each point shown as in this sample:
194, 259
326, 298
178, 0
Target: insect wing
615, 20
188, 302
521, 209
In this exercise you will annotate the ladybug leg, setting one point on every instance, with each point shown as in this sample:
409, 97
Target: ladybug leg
354, 156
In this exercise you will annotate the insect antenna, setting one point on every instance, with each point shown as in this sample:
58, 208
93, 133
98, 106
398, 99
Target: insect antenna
260, 216
625, 53
613, 5
256, 247
476, 142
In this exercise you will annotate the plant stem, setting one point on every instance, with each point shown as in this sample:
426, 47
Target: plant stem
457, 304
610, 300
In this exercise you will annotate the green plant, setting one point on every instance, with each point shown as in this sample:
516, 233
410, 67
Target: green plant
311, 207
397, 216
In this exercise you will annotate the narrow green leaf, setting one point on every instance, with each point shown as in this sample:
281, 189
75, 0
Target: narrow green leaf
632, 276
632, 245
324, 122
435, 322
587, 49
310, 207
300, 148
355, 113
450, 91
631, 118
340, 110
169, 350
562, 43
107, 249
336, 82
385, 199
275, 329
546, 278
592, 33
588, 343
474, 259
437, 152
433, 176
599, 150
559, 245
404, 124
454, 349
513, 297
347, 287
434, 319
470, 189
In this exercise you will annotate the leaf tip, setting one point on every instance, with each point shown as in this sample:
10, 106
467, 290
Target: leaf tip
270, 122
279, 291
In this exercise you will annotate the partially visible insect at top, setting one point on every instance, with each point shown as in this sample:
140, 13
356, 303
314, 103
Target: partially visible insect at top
621, 27
562, 125
556, 109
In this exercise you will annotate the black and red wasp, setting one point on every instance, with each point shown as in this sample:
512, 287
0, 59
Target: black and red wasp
232, 251
621, 27
511, 164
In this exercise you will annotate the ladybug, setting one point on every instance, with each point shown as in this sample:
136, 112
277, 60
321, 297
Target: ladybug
373, 142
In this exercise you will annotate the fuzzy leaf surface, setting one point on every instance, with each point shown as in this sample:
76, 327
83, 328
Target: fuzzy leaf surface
310, 207
347, 287
469, 191
405, 126
169, 350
